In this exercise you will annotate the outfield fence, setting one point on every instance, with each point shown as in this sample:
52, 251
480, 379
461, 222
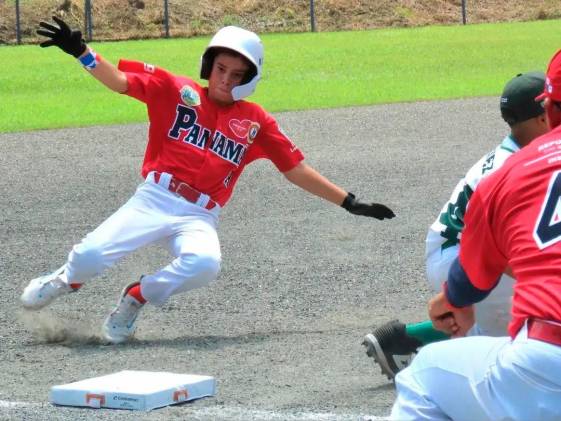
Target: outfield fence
134, 19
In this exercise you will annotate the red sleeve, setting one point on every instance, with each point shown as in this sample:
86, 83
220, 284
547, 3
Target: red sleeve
272, 143
480, 255
143, 79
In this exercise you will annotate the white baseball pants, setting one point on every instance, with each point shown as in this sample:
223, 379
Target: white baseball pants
492, 315
154, 214
481, 378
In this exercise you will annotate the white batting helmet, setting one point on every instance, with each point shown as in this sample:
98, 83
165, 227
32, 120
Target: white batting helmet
244, 42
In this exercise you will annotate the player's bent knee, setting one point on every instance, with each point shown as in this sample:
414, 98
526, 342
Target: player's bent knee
211, 267
204, 267
196, 271
188, 272
84, 262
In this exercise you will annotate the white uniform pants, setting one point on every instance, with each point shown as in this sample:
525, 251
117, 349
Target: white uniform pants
481, 378
154, 214
492, 315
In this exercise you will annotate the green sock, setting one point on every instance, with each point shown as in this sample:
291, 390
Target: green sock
425, 332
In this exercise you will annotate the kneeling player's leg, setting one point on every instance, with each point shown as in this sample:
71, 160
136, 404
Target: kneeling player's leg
440, 384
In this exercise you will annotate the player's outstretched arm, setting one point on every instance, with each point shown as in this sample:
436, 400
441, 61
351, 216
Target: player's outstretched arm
71, 42
310, 180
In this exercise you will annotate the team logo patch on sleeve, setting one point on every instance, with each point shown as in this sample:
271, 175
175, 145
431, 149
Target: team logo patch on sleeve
245, 129
149, 68
190, 96
253, 131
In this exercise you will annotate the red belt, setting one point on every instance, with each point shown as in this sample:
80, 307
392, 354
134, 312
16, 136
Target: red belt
545, 331
186, 191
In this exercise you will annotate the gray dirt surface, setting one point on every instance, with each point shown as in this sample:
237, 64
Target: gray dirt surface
302, 281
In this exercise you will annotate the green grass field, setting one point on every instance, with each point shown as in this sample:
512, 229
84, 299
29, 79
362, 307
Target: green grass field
45, 88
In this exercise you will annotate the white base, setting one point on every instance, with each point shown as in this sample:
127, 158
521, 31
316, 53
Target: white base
140, 390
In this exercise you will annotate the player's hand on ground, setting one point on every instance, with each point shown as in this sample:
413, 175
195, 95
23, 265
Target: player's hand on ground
68, 40
374, 210
451, 320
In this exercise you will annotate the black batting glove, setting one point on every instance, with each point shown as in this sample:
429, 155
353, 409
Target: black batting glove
69, 41
374, 210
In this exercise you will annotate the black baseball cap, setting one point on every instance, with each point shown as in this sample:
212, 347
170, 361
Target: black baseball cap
518, 100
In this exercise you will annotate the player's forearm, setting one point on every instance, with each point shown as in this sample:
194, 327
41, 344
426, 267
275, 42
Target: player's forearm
107, 73
313, 182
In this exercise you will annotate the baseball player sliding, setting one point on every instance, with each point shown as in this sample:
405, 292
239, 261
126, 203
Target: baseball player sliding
199, 141
512, 225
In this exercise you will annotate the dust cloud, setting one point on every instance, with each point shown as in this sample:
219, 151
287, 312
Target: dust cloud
49, 328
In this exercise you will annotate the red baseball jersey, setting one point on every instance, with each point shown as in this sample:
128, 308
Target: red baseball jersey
514, 219
202, 144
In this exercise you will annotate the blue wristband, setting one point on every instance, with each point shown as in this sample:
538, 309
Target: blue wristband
89, 61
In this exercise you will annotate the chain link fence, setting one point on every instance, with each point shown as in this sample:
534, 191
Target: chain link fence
136, 19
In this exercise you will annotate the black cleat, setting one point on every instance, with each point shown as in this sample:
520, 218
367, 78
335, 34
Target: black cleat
391, 347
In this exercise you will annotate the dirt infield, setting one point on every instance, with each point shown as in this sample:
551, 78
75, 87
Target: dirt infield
302, 280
